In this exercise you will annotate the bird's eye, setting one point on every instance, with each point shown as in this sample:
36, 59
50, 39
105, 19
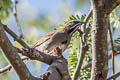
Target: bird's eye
64, 42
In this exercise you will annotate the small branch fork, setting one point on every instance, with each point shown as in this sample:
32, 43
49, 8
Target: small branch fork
18, 39
58, 69
11, 54
89, 63
8, 67
82, 53
108, 6
84, 47
58, 65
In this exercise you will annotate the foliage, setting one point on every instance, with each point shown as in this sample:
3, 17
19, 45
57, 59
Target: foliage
74, 48
4, 9
115, 18
117, 41
74, 52
4, 12
41, 22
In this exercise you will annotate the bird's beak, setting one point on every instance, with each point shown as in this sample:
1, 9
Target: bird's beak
75, 27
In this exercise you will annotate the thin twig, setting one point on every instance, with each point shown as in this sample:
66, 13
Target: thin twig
15, 60
113, 49
89, 64
15, 37
84, 48
16, 18
8, 67
114, 76
36, 55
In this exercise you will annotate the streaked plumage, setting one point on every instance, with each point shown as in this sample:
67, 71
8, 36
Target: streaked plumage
57, 39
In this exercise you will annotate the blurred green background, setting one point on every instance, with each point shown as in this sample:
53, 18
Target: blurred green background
37, 17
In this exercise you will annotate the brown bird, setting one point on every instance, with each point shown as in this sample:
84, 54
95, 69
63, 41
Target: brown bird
58, 39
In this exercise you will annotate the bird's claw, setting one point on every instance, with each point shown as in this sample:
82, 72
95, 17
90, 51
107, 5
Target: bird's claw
27, 50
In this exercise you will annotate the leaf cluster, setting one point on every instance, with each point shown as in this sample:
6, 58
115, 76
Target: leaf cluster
4, 10
74, 48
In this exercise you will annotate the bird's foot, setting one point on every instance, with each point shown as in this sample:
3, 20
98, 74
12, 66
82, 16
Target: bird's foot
59, 51
28, 50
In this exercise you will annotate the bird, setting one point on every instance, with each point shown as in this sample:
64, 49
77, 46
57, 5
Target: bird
57, 40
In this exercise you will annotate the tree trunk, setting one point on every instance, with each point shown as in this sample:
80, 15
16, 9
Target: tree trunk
99, 41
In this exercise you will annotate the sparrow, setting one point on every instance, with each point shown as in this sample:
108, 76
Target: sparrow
58, 39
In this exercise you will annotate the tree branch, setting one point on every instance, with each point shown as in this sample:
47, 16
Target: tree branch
11, 54
89, 63
37, 55
99, 41
16, 18
58, 64
110, 5
112, 45
114, 76
84, 48
18, 39
59, 70
8, 67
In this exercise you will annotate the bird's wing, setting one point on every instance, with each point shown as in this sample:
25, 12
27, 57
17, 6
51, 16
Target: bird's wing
43, 39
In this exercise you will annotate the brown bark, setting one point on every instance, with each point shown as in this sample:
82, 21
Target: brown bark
114, 76
8, 67
99, 42
58, 69
101, 9
11, 54
83, 49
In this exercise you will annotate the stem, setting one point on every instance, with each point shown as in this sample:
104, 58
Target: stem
113, 49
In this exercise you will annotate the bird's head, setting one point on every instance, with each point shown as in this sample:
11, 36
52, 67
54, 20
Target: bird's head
62, 37
72, 26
